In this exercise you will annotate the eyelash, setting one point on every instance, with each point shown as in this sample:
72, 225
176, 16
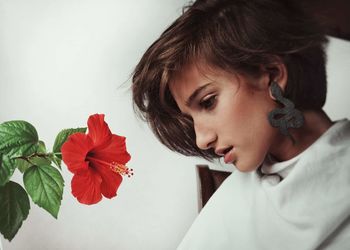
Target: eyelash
208, 103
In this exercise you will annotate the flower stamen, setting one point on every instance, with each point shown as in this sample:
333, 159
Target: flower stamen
121, 169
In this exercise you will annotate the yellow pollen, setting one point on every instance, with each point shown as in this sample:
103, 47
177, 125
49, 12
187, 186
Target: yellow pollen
121, 169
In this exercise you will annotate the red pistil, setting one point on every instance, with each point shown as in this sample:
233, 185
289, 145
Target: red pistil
114, 166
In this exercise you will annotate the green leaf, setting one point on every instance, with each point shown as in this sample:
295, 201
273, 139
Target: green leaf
18, 138
14, 207
23, 165
41, 147
45, 184
60, 140
7, 167
56, 160
40, 160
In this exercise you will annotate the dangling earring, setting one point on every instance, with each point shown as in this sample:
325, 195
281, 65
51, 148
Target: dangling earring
289, 116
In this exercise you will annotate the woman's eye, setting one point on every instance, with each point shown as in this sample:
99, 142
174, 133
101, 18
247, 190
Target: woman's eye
208, 103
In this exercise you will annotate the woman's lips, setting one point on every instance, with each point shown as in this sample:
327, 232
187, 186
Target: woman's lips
229, 157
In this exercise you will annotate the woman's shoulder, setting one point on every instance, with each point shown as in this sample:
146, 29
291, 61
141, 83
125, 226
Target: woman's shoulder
340, 133
332, 148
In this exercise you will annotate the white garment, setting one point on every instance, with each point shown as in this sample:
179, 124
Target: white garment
308, 209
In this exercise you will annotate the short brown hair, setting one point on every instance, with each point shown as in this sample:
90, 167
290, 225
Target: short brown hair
233, 35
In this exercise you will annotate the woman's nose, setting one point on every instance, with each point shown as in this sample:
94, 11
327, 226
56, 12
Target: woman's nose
205, 137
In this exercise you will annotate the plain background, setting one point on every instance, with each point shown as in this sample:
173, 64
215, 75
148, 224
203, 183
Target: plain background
61, 61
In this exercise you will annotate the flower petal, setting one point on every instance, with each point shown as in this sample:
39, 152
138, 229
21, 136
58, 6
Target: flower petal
98, 129
86, 186
110, 181
114, 151
74, 151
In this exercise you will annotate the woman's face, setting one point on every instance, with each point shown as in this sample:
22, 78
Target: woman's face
229, 114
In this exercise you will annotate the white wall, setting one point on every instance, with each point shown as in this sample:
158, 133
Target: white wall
338, 72
61, 61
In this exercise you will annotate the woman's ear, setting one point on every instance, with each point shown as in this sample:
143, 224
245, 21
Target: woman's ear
277, 72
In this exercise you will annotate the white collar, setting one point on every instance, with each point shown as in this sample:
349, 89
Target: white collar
271, 166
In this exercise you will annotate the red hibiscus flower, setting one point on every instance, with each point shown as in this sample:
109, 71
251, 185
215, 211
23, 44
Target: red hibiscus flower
97, 160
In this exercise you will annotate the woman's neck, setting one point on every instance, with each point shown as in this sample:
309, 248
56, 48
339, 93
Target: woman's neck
316, 123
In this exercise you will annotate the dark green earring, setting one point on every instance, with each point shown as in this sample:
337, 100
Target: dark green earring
286, 117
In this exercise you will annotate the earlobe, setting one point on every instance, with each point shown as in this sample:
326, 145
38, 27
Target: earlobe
278, 74
273, 85
270, 92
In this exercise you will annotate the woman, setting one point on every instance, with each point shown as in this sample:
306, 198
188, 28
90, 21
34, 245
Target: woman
246, 81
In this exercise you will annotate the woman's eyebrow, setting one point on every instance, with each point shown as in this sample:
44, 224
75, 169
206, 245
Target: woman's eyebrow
196, 93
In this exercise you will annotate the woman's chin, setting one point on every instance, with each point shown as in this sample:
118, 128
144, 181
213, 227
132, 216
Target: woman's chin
246, 167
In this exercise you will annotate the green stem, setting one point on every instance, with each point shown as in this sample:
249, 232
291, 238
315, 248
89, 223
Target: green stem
26, 158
